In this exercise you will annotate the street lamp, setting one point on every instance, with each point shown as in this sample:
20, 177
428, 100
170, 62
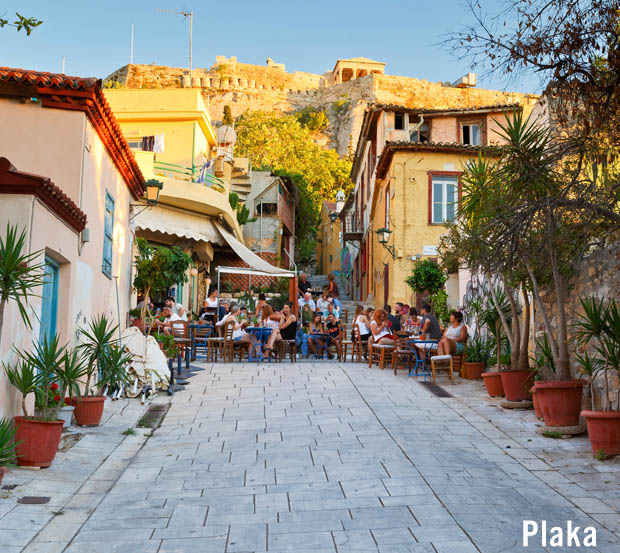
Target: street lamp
383, 235
151, 195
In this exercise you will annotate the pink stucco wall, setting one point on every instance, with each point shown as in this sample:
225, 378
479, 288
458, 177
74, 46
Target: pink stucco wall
443, 129
64, 146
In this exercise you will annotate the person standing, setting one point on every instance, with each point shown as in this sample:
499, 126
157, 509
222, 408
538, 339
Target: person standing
332, 287
303, 285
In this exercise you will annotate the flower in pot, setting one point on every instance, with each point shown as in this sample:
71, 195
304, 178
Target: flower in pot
7, 446
599, 328
477, 357
36, 372
96, 341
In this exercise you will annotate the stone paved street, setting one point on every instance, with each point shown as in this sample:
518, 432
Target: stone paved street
318, 457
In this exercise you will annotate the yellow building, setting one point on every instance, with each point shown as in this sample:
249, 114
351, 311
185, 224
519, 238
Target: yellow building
173, 141
328, 240
407, 171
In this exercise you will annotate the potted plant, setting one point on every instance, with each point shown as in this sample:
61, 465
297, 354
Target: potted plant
114, 376
137, 320
497, 341
36, 372
477, 358
599, 328
168, 346
7, 446
96, 340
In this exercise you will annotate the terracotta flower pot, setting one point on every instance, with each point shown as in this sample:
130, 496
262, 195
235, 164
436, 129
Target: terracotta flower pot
37, 441
473, 371
88, 410
3, 471
493, 383
603, 431
560, 401
537, 409
517, 384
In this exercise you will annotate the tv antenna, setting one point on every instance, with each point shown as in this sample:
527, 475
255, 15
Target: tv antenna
189, 15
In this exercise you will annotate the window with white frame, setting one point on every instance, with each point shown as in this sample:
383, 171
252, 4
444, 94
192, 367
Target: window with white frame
444, 198
471, 134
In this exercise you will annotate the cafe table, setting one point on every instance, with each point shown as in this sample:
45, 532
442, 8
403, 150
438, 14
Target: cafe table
259, 336
426, 348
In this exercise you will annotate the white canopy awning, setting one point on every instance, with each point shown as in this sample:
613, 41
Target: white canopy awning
257, 264
178, 223
249, 271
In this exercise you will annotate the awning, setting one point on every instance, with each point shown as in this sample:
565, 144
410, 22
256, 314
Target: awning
248, 271
255, 262
177, 223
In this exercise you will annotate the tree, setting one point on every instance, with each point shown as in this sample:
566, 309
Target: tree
20, 274
158, 268
428, 277
227, 118
573, 45
282, 143
21, 23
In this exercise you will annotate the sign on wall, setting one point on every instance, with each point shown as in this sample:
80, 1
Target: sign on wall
429, 250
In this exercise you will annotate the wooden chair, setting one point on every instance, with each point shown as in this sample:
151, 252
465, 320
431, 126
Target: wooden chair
402, 352
215, 344
378, 353
228, 348
439, 359
180, 331
200, 335
357, 346
344, 343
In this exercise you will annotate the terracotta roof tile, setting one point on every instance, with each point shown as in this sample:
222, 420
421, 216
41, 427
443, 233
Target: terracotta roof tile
42, 78
331, 206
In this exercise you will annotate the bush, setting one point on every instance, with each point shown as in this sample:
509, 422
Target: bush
427, 276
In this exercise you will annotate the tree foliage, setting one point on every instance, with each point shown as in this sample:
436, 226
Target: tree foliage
282, 143
427, 276
314, 119
243, 213
21, 23
227, 118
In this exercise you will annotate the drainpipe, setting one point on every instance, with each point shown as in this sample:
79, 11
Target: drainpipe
417, 126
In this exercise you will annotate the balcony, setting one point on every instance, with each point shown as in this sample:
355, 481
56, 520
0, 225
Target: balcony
352, 229
197, 175
286, 209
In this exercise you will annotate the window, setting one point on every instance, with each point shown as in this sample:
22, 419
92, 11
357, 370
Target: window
471, 134
444, 198
399, 121
108, 229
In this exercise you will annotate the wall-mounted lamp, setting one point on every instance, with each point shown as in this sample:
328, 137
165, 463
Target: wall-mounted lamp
193, 271
151, 196
383, 235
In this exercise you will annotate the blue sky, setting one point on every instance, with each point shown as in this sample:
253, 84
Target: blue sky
94, 36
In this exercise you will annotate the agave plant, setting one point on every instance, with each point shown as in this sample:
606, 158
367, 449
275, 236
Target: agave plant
7, 443
96, 341
20, 273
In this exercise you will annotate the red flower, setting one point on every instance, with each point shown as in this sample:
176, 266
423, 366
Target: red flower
54, 386
56, 398
67, 401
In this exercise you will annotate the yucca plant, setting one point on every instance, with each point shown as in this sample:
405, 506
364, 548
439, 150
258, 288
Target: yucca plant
7, 443
114, 369
23, 376
96, 341
20, 273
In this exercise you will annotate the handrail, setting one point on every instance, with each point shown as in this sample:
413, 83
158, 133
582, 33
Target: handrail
193, 173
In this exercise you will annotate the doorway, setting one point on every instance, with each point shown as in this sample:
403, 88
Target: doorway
49, 300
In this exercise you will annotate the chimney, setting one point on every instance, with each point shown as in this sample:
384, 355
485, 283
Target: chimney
466, 81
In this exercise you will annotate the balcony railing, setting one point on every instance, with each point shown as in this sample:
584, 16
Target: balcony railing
195, 174
352, 228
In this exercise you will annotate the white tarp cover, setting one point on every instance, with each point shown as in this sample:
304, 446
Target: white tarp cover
177, 223
253, 260
149, 364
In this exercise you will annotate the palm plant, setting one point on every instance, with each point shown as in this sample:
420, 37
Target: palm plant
23, 376
114, 374
20, 273
96, 341
73, 369
7, 443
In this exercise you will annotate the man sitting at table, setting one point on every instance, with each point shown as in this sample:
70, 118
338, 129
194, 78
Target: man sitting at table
165, 326
307, 300
430, 324
331, 310
227, 315
176, 308
332, 326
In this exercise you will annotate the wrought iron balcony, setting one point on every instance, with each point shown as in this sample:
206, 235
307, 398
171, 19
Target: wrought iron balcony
352, 226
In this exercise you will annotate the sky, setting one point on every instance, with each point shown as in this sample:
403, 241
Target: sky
306, 35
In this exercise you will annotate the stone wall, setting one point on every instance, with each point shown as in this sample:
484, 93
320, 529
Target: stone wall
599, 276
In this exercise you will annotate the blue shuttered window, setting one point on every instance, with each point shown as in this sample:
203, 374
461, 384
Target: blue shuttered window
108, 229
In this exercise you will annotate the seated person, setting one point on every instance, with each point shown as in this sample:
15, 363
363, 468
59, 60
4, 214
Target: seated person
271, 319
454, 337
332, 326
243, 313
429, 325
176, 308
239, 334
331, 310
380, 328
316, 328
307, 300
288, 323
321, 303
165, 326
362, 322
223, 309
262, 301
228, 312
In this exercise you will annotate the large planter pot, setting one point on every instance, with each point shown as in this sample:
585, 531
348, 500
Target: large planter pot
3, 471
537, 409
65, 414
88, 410
473, 371
517, 384
603, 431
493, 383
560, 401
37, 441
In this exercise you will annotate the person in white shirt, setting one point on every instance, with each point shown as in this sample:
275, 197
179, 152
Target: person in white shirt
307, 300
165, 326
321, 303
176, 308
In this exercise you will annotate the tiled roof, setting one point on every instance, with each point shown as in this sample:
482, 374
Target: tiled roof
427, 111
13, 181
391, 147
42, 78
331, 206
60, 91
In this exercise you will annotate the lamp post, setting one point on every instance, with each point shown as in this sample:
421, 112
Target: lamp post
151, 195
383, 235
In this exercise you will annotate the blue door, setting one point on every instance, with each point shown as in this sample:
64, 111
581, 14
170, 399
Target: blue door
49, 301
